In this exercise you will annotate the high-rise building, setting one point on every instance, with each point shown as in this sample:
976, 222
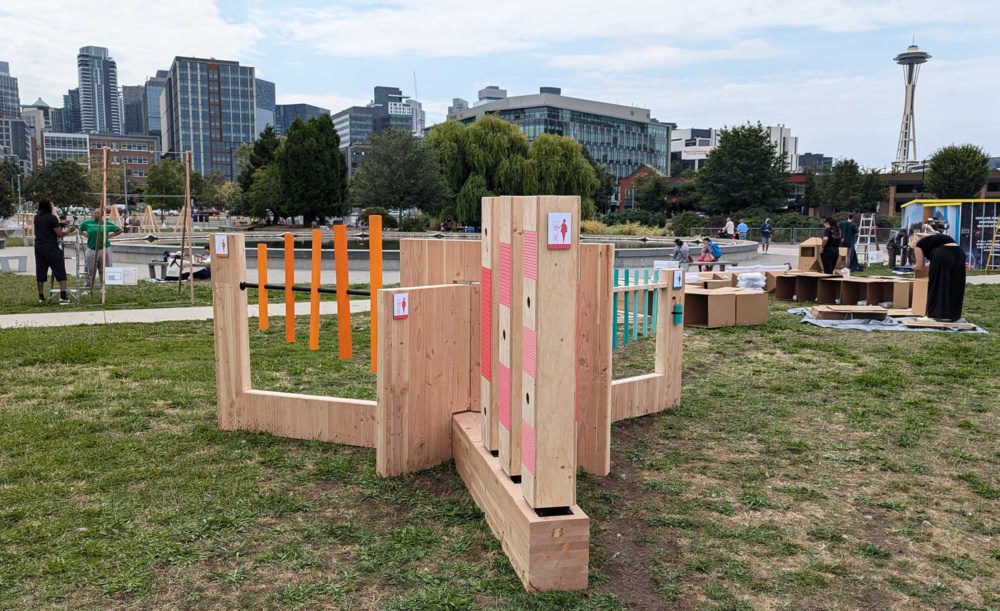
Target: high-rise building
418, 117
389, 109
265, 105
100, 100
208, 107
71, 111
284, 114
457, 104
57, 146
787, 145
493, 93
10, 99
134, 107
623, 138
154, 89
38, 118
817, 162
136, 152
690, 147
15, 143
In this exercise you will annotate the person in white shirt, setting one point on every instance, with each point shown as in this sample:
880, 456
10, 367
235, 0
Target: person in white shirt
730, 228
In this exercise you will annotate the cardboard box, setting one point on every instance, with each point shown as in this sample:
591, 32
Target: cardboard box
828, 290
709, 308
918, 299
853, 291
809, 255
841, 312
751, 308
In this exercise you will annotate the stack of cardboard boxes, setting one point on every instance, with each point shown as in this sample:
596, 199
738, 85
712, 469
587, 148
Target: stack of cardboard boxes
714, 301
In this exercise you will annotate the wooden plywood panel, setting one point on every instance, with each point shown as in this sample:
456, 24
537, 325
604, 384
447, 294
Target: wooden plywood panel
509, 235
231, 331
547, 553
670, 339
548, 448
637, 396
426, 374
426, 262
489, 321
593, 347
346, 421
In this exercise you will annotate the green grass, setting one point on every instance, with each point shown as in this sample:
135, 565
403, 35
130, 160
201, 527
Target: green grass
804, 468
19, 295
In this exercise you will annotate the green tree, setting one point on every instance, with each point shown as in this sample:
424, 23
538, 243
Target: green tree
266, 193
230, 196
312, 169
744, 171
652, 193
165, 184
9, 175
841, 185
205, 189
813, 197
262, 152
870, 190
95, 182
64, 182
604, 194
957, 172
399, 172
560, 168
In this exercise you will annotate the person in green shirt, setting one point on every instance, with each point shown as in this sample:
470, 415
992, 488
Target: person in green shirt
98, 252
849, 231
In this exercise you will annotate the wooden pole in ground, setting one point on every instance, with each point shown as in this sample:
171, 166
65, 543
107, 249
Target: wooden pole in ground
182, 223
289, 293
343, 299
375, 279
263, 322
317, 261
103, 234
187, 197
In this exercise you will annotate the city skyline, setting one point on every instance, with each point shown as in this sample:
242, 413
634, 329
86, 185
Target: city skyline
826, 72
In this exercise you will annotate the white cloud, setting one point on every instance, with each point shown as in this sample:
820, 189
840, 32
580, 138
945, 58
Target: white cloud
640, 58
41, 39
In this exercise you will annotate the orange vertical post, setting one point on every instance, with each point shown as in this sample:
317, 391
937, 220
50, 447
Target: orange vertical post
317, 244
289, 283
343, 299
261, 291
375, 281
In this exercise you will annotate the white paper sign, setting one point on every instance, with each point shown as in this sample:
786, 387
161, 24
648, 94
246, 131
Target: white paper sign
400, 305
221, 245
560, 230
666, 264
678, 278
114, 276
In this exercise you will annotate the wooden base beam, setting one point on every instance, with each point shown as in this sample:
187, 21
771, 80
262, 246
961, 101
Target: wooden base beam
347, 421
547, 553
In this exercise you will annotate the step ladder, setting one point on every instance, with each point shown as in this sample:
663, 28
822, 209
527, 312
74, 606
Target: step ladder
992, 260
866, 237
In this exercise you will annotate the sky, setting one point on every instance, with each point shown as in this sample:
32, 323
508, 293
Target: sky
822, 68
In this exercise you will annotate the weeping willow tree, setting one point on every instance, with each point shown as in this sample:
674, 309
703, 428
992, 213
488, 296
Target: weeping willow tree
492, 157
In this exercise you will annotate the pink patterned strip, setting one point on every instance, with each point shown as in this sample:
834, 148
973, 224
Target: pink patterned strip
505, 396
506, 265
485, 323
528, 351
529, 248
528, 446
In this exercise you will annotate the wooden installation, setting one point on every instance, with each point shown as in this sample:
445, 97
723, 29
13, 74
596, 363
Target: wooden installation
594, 312
375, 278
343, 300
148, 224
103, 233
262, 323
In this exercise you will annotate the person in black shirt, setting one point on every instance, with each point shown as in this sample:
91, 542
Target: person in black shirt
831, 245
946, 282
48, 255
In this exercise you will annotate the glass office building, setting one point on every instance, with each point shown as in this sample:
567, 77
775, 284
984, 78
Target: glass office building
208, 107
624, 138
154, 90
284, 114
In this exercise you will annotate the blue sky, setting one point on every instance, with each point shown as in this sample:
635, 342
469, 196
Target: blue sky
823, 69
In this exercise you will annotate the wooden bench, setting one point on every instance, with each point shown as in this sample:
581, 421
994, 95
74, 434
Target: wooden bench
21, 260
721, 263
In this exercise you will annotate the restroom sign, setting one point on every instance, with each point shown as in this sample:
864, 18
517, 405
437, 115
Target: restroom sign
560, 230
221, 245
400, 305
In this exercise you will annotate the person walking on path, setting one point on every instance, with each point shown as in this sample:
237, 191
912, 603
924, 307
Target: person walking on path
98, 254
849, 231
48, 254
766, 233
730, 229
831, 245
743, 229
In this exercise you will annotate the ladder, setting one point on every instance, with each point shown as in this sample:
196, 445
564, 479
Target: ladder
991, 259
866, 235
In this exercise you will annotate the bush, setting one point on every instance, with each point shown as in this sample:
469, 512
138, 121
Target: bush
593, 227
794, 219
418, 223
682, 224
388, 220
635, 215
633, 229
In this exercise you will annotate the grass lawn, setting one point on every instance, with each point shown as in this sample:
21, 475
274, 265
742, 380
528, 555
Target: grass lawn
19, 295
805, 468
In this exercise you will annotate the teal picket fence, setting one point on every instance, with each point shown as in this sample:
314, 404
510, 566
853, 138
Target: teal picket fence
633, 312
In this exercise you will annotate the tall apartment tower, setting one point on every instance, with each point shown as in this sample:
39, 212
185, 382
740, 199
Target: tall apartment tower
154, 89
10, 99
100, 100
906, 150
208, 107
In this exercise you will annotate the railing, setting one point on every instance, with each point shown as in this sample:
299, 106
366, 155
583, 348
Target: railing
638, 291
792, 235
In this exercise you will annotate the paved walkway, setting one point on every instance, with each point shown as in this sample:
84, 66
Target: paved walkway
153, 315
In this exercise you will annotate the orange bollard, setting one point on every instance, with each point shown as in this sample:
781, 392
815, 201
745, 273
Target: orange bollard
289, 283
262, 292
375, 281
317, 245
343, 299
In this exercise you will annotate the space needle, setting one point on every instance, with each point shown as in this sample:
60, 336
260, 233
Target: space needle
906, 151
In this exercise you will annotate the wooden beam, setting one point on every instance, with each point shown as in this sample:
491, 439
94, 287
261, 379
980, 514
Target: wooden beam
230, 327
509, 234
637, 396
593, 368
550, 273
489, 317
547, 553
428, 370
332, 419
670, 336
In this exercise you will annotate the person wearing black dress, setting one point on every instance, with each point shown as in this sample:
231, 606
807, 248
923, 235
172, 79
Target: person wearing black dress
946, 283
831, 245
